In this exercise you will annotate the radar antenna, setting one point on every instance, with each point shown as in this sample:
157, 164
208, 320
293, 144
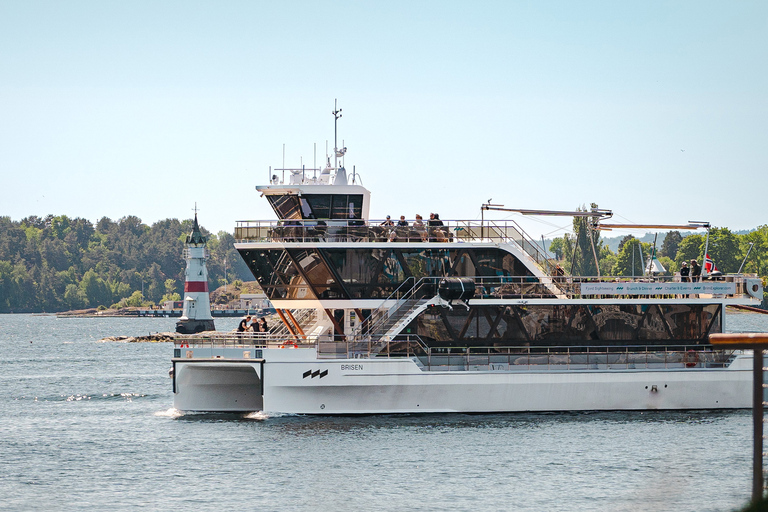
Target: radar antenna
336, 151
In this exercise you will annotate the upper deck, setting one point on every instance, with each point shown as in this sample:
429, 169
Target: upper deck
458, 236
327, 231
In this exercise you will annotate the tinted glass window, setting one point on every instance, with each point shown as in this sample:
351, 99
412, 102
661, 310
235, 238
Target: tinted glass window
334, 206
286, 207
321, 205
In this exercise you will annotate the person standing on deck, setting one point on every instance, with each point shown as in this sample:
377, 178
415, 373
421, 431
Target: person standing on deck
695, 271
243, 326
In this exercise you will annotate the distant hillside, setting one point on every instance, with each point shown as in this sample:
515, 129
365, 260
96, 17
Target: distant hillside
56, 263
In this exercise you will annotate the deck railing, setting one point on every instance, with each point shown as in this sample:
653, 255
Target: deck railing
329, 230
577, 358
486, 358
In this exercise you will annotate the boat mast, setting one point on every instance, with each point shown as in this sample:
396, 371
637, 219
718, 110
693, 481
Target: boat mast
336, 115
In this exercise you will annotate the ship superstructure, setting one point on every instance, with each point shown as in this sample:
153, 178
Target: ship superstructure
451, 315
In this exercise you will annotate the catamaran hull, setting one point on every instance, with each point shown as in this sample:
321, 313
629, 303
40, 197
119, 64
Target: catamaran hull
353, 386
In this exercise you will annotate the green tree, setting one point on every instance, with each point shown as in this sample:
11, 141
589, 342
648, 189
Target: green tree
629, 262
724, 249
691, 247
588, 245
670, 244
757, 261
95, 290
624, 240
74, 297
557, 247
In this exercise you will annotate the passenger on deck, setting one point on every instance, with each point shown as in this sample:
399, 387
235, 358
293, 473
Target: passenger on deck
388, 222
418, 226
435, 228
684, 272
255, 325
263, 325
695, 271
399, 230
243, 326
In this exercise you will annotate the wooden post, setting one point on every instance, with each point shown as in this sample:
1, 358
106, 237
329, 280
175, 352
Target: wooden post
757, 422
756, 342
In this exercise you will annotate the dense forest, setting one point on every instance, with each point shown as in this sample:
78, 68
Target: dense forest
56, 263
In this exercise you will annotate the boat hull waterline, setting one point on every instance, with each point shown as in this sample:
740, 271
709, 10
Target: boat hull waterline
387, 386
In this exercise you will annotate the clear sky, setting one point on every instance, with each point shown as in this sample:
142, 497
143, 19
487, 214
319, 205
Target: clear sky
656, 110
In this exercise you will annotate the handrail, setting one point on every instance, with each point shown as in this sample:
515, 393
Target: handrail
485, 358
366, 324
538, 254
577, 357
301, 318
386, 314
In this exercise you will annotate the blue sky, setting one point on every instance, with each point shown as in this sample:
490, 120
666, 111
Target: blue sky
144, 108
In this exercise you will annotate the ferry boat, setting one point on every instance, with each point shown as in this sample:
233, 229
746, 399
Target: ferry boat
451, 316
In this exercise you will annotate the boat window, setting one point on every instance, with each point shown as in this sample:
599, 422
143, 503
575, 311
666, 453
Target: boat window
376, 272
327, 206
320, 205
347, 207
562, 324
306, 211
286, 207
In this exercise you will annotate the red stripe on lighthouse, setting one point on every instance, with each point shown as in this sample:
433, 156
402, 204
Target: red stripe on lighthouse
196, 286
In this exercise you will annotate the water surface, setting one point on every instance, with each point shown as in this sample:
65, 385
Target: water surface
86, 425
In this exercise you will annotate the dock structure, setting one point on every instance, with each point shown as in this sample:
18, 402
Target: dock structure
757, 342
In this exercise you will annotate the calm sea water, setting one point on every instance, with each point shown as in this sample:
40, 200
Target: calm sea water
86, 425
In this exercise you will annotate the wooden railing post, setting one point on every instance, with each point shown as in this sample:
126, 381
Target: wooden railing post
757, 342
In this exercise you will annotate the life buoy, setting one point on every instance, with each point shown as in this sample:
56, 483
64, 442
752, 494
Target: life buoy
691, 358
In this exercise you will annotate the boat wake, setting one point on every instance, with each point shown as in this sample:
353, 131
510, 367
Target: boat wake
256, 415
170, 413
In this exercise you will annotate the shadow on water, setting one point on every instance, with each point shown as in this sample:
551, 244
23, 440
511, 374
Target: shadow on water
314, 424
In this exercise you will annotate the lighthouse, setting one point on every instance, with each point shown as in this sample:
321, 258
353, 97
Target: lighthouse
196, 316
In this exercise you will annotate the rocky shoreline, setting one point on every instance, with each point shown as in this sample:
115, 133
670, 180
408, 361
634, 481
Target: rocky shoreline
158, 337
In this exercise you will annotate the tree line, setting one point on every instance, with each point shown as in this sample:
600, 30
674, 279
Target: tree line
56, 263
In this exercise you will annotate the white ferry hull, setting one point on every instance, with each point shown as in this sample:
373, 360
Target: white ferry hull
388, 386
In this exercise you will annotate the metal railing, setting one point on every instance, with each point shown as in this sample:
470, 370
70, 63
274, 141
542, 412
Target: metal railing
304, 317
367, 348
575, 358
330, 230
401, 295
481, 358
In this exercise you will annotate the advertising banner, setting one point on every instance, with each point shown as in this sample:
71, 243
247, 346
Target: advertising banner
713, 287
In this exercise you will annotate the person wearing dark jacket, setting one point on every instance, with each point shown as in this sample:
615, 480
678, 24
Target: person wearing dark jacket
695, 271
243, 326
